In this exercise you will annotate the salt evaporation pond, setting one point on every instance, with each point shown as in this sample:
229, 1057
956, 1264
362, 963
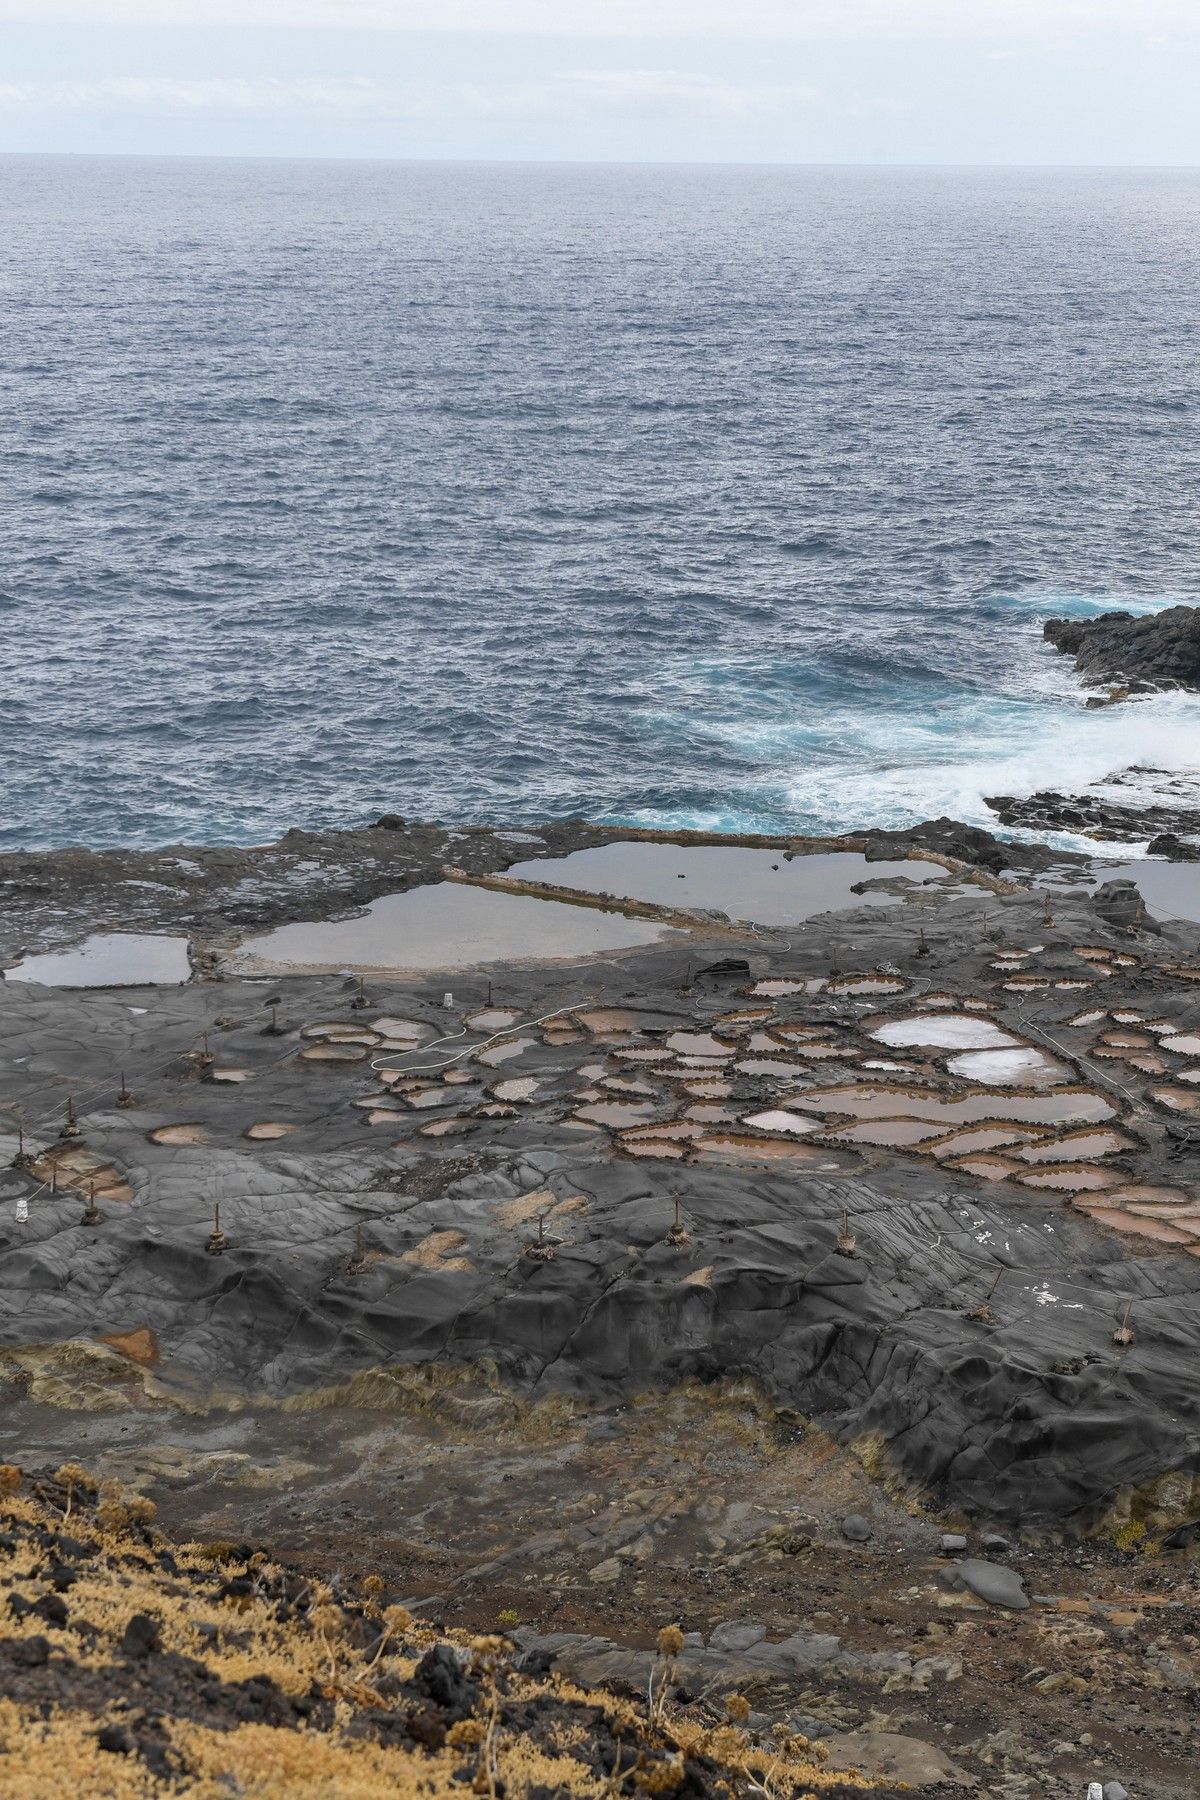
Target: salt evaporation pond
110, 959
444, 926
945, 1031
759, 885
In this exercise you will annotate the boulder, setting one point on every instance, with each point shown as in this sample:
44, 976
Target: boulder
889, 1756
988, 1581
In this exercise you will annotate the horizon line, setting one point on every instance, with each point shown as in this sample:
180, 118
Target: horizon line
580, 162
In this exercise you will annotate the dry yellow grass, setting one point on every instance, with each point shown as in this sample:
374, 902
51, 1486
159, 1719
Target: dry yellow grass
357, 1700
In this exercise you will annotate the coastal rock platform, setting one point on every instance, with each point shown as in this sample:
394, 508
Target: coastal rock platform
631, 1280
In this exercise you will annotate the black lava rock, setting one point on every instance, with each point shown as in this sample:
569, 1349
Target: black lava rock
1160, 649
142, 1637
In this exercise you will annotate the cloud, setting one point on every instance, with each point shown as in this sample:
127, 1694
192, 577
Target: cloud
836, 20
564, 96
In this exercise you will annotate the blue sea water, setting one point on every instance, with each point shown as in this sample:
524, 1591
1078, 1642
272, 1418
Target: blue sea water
713, 496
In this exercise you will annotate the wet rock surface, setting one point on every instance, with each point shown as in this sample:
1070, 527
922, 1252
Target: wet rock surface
1167, 830
217, 894
1133, 651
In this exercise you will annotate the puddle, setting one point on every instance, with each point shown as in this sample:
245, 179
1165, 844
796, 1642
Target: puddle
1072, 1178
1170, 889
430, 1097
177, 1134
401, 1034
337, 1031
502, 1053
945, 1032
1176, 1099
522, 1087
987, 1168
766, 1066
708, 1090
1078, 1146
614, 1113
268, 1129
493, 1018
1142, 1194
661, 1148
1186, 1044
791, 1122
231, 1075
983, 1137
867, 984
452, 1127
759, 885
81, 1170
673, 1131
739, 1147
445, 926
1088, 1018
647, 1056
711, 1113
110, 959
884, 1133
698, 1043
1022, 1067
1066, 1106
1157, 1230
335, 1052
601, 1019
776, 989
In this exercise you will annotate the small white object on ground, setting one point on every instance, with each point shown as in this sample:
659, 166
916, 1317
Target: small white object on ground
447, 1000
22, 1212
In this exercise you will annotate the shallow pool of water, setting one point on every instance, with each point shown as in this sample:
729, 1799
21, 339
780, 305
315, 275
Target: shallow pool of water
1171, 890
746, 884
445, 926
110, 959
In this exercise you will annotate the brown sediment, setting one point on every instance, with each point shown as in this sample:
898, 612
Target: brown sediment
191, 1133
1073, 1178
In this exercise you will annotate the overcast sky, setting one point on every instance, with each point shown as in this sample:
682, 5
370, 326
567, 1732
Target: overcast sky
1060, 81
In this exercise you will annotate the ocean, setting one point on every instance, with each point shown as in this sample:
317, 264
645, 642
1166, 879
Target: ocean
719, 497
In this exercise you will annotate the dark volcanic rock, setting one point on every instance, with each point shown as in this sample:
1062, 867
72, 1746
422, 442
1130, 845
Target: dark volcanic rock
1120, 905
1159, 650
1172, 831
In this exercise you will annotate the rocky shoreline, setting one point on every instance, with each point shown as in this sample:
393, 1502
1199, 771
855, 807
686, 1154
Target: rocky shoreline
735, 1270
1133, 653
1168, 831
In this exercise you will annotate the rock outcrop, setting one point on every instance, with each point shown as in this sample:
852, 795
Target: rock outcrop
1157, 650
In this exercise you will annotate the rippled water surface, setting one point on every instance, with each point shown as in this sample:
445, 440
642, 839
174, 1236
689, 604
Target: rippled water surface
707, 496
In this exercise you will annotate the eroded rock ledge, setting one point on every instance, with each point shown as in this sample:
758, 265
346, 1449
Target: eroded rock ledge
1161, 650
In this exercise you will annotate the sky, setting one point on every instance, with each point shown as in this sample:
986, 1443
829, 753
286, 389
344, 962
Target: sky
844, 81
